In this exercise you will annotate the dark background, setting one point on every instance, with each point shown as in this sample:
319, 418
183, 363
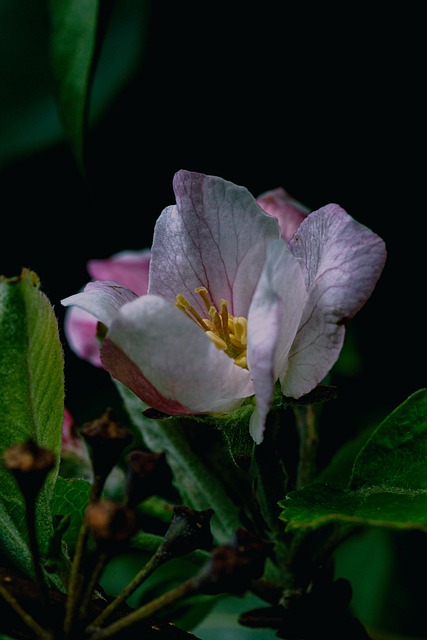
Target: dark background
322, 100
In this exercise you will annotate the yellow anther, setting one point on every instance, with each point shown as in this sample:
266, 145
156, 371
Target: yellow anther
241, 361
203, 293
218, 342
241, 329
228, 333
216, 319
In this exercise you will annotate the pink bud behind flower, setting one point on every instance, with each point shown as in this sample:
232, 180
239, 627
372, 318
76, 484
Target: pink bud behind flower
129, 268
288, 211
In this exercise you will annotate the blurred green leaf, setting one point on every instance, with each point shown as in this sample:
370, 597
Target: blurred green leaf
29, 108
31, 402
222, 621
74, 29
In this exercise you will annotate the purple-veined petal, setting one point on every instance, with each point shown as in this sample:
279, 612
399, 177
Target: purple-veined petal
80, 330
288, 211
273, 321
129, 268
169, 362
102, 299
215, 236
342, 261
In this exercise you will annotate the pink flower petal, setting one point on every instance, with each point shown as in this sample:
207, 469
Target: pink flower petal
288, 211
129, 268
80, 329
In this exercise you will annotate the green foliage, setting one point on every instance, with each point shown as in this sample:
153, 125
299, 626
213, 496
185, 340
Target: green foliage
395, 455
70, 498
45, 45
31, 403
388, 482
192, 451
74, 27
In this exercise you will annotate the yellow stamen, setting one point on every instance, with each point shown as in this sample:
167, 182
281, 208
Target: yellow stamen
218, 342
241, 361
216, 319
183, 305
228, 333
240, 329
203, 293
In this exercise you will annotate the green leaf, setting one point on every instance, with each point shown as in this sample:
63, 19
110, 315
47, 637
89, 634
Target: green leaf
317, 505
339, 469
74, 29
13, 544
395, 455
70, 498
388, 487
190, 451
29, 114
31, 401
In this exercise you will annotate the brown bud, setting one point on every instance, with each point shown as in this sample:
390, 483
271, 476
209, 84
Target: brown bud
189, 530
232, 567
30, 465
112, 524
106, 439
148, 474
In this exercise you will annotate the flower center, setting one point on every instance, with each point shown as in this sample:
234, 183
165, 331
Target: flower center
228, 333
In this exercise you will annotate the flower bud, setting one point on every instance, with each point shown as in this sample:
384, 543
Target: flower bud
189, 530
106, 439
30, 465
112, 524
148, 474
232, 567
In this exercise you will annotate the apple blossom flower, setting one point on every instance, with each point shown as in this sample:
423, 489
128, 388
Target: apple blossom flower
232, 307
125, 267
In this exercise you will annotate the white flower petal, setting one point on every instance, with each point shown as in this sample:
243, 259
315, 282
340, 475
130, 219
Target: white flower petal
215, 236
273, 321
169, 362
342, 261
102, 299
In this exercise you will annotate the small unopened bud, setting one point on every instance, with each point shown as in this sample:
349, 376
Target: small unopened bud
106, 439
30, 465
148, 474
189, 530
112, 524
232, 567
